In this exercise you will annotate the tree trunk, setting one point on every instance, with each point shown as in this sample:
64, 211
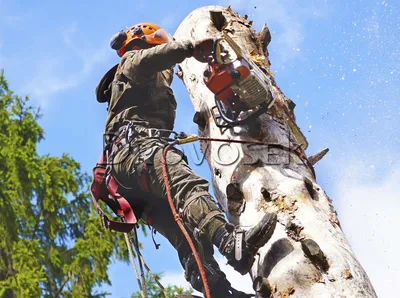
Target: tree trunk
308, 255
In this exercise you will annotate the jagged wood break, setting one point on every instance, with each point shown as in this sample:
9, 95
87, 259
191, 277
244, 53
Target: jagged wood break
308, 255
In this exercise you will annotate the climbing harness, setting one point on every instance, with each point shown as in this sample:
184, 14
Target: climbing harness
104, 187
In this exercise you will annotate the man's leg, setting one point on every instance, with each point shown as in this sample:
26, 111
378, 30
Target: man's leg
154, 208
201, 215
157, 212
192, 200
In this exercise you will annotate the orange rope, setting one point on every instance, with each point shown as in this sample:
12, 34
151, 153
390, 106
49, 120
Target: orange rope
179, 222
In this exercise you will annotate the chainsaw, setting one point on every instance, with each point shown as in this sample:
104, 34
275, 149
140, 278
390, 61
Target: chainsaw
242, 90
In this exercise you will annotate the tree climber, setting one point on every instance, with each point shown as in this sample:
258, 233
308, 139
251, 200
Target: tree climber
141, 105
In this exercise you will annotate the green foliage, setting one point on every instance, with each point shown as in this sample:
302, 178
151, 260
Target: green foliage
154, 291
51, 241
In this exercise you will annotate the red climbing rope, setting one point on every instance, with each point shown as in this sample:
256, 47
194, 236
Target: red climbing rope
178, 219
298, 150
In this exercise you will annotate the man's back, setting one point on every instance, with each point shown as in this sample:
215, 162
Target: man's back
150, 104
142, 95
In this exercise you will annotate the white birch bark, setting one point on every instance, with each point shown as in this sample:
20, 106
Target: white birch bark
308, 255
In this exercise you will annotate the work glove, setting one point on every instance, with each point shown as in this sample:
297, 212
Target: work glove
203, 49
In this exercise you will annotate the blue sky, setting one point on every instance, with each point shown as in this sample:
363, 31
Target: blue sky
339, 61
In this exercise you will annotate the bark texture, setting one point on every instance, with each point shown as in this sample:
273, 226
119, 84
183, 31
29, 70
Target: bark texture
308, 255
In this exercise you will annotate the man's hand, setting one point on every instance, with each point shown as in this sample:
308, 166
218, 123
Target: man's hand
203, 49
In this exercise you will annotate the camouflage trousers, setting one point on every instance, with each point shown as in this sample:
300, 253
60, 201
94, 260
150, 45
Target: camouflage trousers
138, 170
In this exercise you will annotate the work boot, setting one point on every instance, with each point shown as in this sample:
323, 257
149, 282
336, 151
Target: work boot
240, 246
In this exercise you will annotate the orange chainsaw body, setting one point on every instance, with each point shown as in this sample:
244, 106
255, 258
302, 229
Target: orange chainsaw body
220, 77
242, 90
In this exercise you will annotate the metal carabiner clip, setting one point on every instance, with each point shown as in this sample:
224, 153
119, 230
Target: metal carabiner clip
129, 132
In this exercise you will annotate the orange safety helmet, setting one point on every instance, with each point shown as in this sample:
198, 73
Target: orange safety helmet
148, 33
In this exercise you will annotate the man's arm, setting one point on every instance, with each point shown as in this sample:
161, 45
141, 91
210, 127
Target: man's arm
139, 65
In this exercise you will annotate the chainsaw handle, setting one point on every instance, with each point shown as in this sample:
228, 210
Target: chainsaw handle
261, 110
217, 52
217, 48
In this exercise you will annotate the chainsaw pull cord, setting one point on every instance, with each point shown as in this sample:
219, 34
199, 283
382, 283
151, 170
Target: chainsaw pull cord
178, 219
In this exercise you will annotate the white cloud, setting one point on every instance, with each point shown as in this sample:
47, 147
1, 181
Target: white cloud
175, 278
368, 206
50, 77
238, 281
